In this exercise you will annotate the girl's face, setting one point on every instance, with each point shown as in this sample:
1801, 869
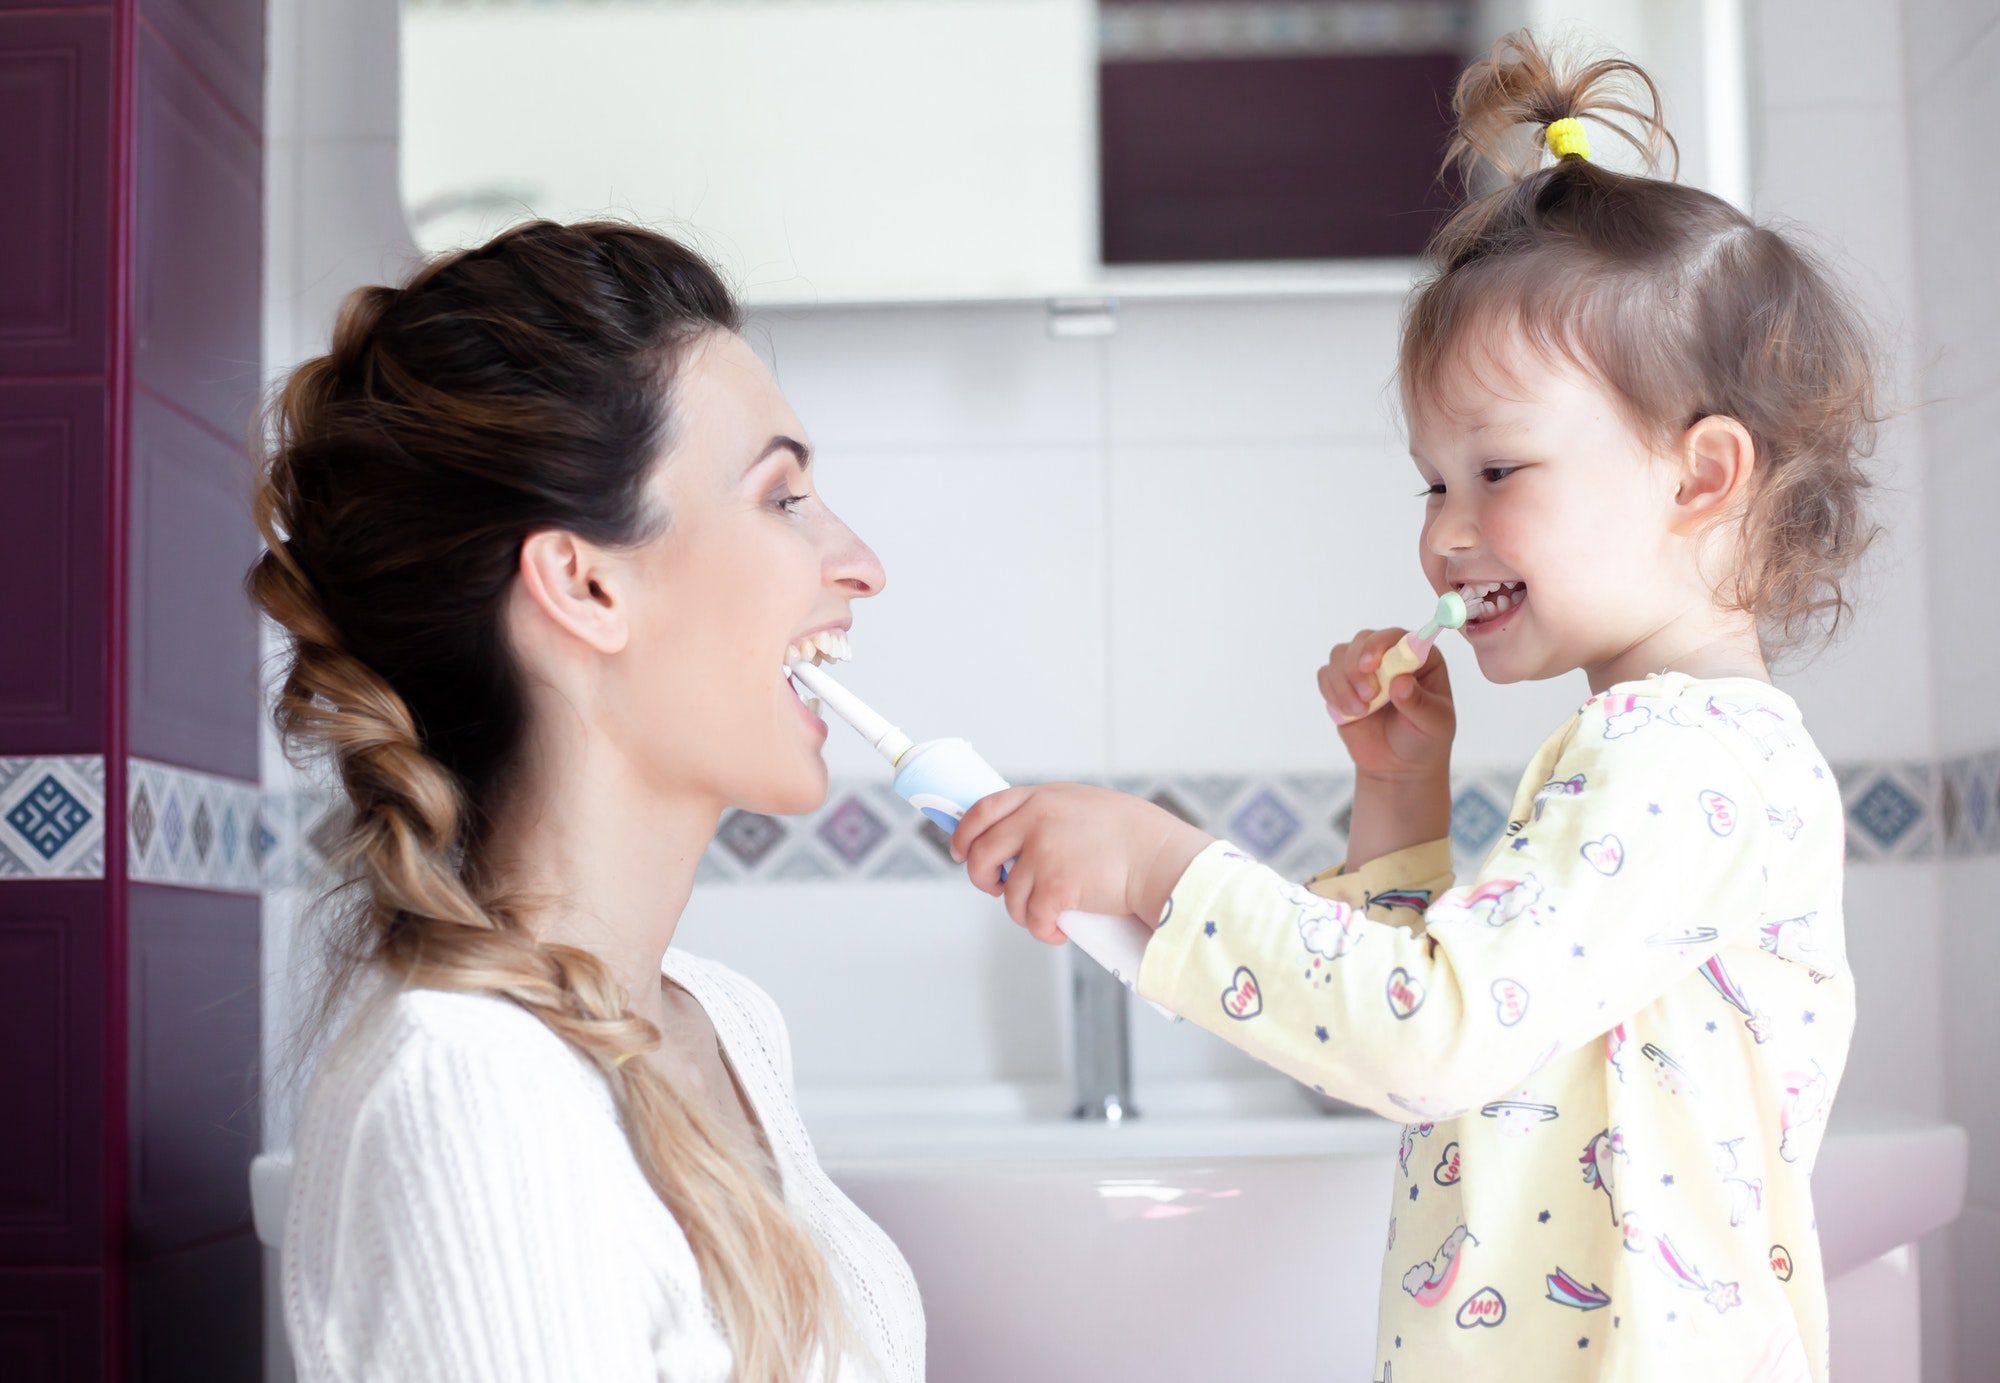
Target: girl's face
752, 561
1537, 484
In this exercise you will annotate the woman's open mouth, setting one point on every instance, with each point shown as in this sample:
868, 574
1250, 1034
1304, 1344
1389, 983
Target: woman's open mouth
1491, 605
827, 646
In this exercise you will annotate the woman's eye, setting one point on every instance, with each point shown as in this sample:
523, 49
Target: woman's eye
790, 503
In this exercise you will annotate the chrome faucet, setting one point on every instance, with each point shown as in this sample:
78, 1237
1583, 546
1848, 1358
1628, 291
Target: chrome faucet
1100, 1042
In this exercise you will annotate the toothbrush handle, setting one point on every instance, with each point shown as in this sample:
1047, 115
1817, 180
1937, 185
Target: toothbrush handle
1407, 655
943, 778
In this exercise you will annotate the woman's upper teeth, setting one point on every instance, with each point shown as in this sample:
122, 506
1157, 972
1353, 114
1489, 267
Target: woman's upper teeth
827, 646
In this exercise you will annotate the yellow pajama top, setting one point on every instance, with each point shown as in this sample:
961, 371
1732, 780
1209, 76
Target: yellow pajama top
1617, 1044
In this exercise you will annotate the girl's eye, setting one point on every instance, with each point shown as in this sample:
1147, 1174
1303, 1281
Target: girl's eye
1493, 475
1432, 492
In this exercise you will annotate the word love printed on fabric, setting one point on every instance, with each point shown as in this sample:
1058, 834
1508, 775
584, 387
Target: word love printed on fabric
1615, 1042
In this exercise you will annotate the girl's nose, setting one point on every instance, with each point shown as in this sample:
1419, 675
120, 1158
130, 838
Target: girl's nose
1451, 531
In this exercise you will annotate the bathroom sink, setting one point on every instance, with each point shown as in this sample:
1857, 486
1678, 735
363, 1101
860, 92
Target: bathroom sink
1047, 1249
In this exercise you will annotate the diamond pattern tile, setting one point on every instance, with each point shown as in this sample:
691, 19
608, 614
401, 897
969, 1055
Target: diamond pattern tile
852, 831
1886, 812
749, 837
1264, 824
1475, 821
48, 817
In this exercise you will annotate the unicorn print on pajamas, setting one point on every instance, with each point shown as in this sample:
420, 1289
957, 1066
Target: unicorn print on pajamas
1625, 715
1802, 1116
1571, 786
1600, 1160
1430, 1282
1764, 727
1746, 1194
1714, 972
1642, 961
1495, 903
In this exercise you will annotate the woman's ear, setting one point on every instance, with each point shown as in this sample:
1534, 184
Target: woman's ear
573, 585
1718, 456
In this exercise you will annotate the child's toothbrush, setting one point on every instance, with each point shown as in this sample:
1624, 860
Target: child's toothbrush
942, 779
1409, 653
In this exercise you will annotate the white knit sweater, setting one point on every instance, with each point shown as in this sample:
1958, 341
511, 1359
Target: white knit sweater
464, 1206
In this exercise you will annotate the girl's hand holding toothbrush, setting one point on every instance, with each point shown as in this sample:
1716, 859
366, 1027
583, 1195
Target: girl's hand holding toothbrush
1401, 750
1075, 848
1409, 737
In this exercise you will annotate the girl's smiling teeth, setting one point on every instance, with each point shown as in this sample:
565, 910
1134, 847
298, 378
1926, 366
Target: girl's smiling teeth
1487, 601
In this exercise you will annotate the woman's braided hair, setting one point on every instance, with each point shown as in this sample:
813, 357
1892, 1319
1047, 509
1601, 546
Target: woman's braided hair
519, 386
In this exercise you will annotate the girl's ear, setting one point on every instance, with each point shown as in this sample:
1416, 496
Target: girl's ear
1717, 458
570, 583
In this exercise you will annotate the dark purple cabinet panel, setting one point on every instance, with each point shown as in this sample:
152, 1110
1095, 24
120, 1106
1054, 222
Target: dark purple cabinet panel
53, 478
55, 193
194, 1035
196, 319
52, 988
193, 635
223, 40
1233, 159
198, 1314
52, 1327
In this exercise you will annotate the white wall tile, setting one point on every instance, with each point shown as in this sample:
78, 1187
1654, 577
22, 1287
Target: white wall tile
1854, 710
1826, 52
958, 378
1972, 1018
1233, 372
1894, 945
992, 625
1839, 179
352, 231
1954, 126
347, 84
1967, 664
888, 984
1940, 35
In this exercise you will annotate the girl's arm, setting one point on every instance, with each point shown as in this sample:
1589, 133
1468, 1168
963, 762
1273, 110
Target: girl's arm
1637, 864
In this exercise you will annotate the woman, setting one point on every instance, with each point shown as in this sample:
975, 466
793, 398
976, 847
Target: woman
542, 530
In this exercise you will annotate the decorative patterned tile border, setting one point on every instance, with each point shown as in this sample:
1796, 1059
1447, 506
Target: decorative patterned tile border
192, 830
1968, 805
52, 818
201, 831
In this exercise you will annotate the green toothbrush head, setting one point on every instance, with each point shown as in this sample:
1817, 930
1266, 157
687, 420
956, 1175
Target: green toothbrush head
1450, 615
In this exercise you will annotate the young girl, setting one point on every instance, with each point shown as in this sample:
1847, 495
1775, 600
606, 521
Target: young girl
1638, 417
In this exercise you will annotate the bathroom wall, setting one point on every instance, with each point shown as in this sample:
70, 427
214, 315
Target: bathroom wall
1122, 557
1950, 61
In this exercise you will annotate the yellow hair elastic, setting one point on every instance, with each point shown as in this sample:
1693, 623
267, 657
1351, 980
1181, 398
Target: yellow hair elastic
1567, 136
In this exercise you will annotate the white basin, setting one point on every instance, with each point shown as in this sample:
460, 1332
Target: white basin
1046, 1249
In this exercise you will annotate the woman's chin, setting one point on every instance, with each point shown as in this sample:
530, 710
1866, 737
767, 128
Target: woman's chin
799, 793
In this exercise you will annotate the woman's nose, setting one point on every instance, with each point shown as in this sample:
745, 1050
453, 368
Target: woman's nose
853, 564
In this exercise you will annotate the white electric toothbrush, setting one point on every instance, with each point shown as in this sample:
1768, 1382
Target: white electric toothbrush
942, 779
